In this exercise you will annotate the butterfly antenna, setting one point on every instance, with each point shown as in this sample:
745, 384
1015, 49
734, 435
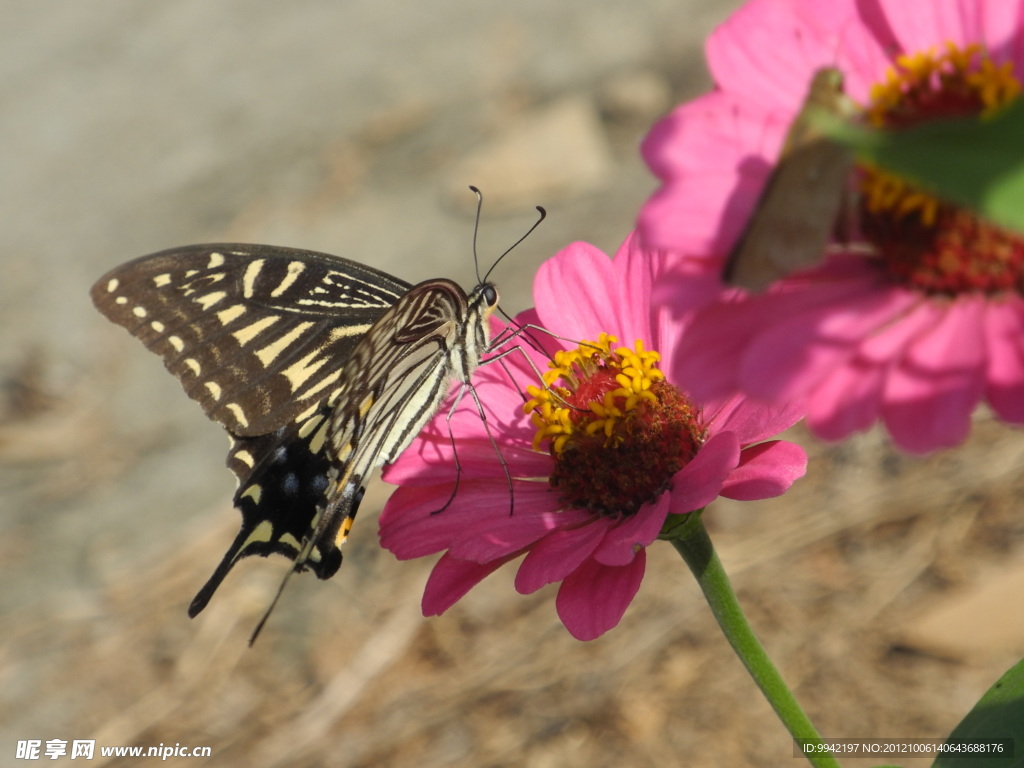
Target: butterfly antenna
543, 215
476, 229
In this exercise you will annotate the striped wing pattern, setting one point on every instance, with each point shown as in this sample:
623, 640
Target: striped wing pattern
256, 335
320, 368
405, 368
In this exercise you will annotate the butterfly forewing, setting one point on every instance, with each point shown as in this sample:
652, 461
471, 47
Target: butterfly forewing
321, 369
256, 335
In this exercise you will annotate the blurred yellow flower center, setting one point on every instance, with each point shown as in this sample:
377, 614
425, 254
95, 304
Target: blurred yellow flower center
928, 244
616, 428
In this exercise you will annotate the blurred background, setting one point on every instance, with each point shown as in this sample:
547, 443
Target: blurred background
878, 585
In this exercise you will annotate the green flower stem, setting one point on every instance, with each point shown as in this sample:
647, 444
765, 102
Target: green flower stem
691, 540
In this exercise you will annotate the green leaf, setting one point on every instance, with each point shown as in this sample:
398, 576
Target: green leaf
999, 714
976, 162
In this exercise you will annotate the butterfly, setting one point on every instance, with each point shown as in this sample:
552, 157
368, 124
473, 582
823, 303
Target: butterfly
805, 193
321, 369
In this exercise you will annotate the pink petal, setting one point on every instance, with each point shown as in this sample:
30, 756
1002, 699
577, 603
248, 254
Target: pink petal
557, 555
930, 396
928, 415
411, 525
594, 597
606, 295
737, 337
888, 344
535, 345
714, 155
636, 269
431, 460
420, 533
768, 50
698, 134
848, 401
867, 52
692, 284
765, 471
996, 25
750, 420
499, 535
998, 28
451, 579
1003, 333
1003, 32
543, 339
957, 342
706, 362
794, 354
941, 20
699, 483
629, 536
573, 305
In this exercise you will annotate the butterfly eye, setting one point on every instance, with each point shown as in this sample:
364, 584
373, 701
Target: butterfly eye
491, 295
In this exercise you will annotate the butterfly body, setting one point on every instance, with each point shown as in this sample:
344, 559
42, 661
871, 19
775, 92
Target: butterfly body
798, 208
320, 368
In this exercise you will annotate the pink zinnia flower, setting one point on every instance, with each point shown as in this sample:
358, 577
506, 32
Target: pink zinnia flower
596, 468
929, 324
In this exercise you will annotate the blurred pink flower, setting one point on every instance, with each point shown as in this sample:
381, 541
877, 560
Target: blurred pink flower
581, 514
917, 334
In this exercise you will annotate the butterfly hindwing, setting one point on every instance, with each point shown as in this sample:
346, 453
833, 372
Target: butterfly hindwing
282, 488
257, 335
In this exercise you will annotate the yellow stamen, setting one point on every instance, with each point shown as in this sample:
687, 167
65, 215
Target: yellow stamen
633, 370
950, 81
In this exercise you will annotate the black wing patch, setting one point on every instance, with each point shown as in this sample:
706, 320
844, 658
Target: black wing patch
283, 482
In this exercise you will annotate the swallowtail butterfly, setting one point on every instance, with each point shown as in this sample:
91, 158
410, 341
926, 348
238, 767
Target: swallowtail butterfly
320, 369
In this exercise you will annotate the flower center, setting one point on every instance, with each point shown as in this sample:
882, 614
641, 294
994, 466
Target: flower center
617, 430
925, 243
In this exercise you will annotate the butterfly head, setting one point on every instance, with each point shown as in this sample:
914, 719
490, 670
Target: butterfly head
483, 300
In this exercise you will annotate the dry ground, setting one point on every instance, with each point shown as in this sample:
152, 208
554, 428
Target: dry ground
346, 128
